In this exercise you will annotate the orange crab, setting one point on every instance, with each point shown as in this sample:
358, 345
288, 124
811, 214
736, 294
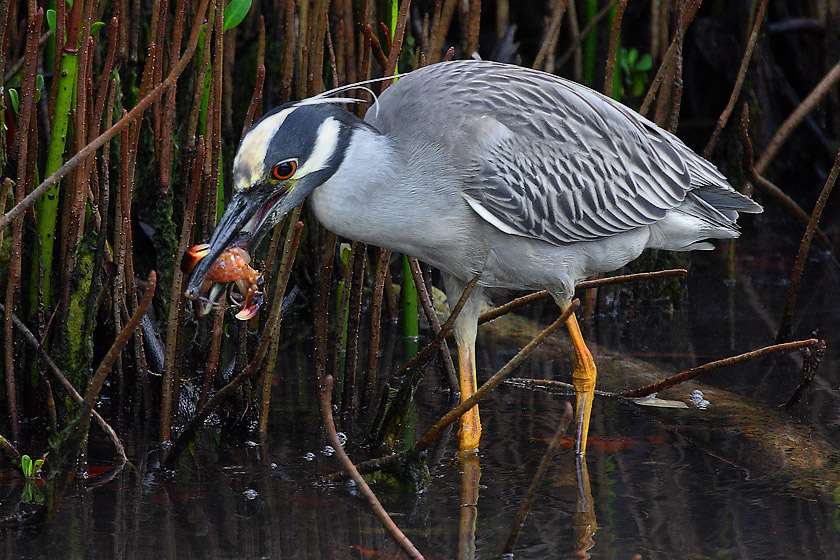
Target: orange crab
233, 265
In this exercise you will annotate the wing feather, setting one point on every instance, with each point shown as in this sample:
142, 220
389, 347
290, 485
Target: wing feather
547, 158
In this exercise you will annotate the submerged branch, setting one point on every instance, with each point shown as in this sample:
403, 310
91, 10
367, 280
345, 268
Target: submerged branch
62, 379
525, 508
325, 402
786, 327
494, 381
699, 370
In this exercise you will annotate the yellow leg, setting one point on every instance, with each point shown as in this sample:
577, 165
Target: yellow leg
469, 433
584, 382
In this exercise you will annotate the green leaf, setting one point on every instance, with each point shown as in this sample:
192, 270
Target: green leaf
644, 64
38, 464
13, 95
26, 466
96, 26
51, 19
40, 86
235, 12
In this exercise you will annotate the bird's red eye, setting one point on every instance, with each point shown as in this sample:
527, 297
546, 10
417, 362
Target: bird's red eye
284, 170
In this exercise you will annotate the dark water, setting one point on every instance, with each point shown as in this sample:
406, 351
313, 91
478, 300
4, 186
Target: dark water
657, 489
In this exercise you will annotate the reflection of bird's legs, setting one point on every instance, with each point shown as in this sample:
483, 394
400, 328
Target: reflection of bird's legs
584, 381
470, 477
584, 522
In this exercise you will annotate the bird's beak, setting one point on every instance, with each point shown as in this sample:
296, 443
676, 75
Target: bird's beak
247, 214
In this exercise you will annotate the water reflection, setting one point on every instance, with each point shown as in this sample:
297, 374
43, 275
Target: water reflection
652, 484
584, 522
470, 478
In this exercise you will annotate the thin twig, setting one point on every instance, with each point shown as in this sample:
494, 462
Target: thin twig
778, 194
739, 81
95, 385
429, 350
688, 16
428, 308
375, 326
585, 285
375, 46
525, 508
397, 42
494, 381
575, 45
786, 325
808, 104
325, 401
62, 379
699, 370
19, 64
550, 39
612, 53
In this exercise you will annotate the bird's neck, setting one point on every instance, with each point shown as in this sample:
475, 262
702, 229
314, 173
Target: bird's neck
359, 197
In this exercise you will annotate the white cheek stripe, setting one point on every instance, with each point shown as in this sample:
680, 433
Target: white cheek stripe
325, 143
248, 164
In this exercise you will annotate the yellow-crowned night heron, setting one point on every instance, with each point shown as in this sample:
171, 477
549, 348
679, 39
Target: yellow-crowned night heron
534, 181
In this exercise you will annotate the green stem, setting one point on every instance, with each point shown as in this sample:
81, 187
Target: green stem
408, 302
47, 208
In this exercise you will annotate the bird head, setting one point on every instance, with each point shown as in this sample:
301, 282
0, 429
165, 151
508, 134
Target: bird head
281, 159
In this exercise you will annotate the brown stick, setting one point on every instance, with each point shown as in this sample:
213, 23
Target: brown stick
450, 417
575, 44
62, 379
778, 194
426, 353
699, 370
129, 118
786, 325
586, 285
525, 508
325, 401
739, 81
176, 301
95, 385
550, 39
428, 308
375, 46
397, 42
375, 326
440, 27
808, 104
667, 60
615, 31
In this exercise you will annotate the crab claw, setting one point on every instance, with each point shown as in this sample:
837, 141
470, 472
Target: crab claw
192, 256
253, 300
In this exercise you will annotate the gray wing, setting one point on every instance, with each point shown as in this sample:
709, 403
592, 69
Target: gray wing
553, 160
